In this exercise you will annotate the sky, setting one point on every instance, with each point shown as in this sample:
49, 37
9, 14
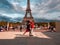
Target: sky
42, 10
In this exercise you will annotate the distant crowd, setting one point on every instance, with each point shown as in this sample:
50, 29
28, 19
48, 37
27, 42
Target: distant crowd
51, 28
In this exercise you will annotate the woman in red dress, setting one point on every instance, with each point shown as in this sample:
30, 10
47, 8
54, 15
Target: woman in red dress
32, 27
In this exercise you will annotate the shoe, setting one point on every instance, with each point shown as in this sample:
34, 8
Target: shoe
30, 35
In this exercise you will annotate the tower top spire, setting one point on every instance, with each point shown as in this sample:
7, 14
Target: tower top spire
28, 4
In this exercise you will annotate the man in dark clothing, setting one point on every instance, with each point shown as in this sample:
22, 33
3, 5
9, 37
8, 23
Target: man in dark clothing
21, 28
1, 29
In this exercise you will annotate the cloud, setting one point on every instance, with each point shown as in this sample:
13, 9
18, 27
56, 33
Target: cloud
41, 9
47, 6
9, 19
15, 15
5, 6
17, 7
6, 3
47, 9
4, 18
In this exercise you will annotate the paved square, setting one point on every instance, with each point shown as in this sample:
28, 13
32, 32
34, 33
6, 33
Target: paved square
39, 38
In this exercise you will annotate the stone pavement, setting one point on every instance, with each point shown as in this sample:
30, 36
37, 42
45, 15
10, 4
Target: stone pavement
39, 38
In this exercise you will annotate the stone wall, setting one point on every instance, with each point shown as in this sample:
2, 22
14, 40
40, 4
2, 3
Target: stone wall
58, 26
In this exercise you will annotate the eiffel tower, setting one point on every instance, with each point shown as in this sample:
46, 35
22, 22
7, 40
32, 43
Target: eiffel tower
28, 15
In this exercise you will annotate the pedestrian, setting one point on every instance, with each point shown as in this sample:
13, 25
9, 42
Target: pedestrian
1, 29
21, 28
52, 29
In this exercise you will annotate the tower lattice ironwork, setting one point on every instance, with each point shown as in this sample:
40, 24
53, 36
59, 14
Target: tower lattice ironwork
28, 15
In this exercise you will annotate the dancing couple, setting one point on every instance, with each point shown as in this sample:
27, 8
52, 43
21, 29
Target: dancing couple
29, 28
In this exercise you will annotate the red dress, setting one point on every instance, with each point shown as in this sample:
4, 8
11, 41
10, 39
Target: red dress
32, 24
